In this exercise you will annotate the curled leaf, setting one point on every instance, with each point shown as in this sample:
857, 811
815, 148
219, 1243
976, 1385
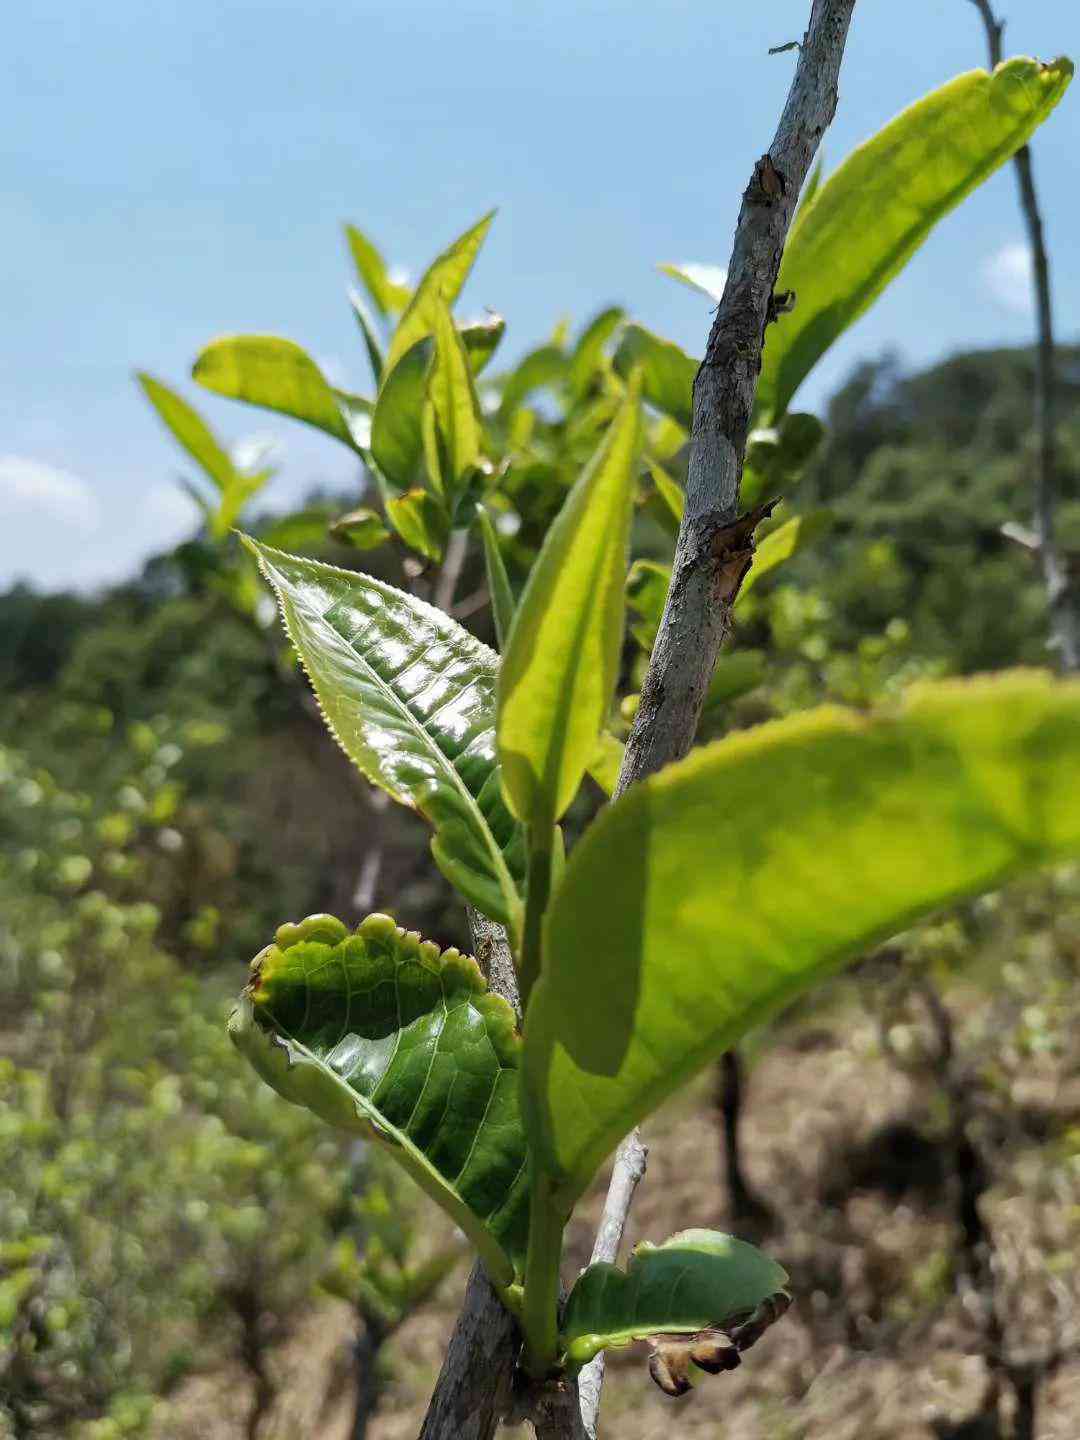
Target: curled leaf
382, 1034
696, 1283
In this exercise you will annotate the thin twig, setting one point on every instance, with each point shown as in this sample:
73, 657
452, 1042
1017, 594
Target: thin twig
629, 1168
713, 549
457, 548
1063, 602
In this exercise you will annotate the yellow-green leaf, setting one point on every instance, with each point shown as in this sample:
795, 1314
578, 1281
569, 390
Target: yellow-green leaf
397, 426
277, 374
457, 409
387, 296
869, 217
784, 542
191, 430
422, 521
667, 372
714, 892
442, 281
558, 675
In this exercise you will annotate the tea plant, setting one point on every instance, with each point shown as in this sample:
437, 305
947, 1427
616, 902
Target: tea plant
717, 885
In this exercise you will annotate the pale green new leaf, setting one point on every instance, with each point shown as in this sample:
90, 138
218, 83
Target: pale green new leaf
188, 427
457, 409
696, 1280
561, 663
372, 343
442, 281
397, 434
387, 296
503, 603
383, 1036
869, 217
606, 762
589, 350
714, 892
278, 375
667, 372
545, 366
422, 521
410, 697
669, 491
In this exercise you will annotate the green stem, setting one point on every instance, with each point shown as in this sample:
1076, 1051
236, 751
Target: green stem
540, 1302
537, 894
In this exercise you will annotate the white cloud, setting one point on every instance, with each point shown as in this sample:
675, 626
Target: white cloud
1007, 275
29, 485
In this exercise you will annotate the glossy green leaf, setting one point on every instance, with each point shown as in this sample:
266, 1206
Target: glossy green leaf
457, 409
397, 437
410, 697
784, 542
705, 279
443, 280
361, 528
422, 521
588, 352
667, 372
382, 1035
188, 427
371, 339
278, 375
716, 891
871, 215
387, 296
503, 603
696, 1280
561, 663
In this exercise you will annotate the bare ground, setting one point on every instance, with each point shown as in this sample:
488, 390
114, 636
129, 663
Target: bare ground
881, 1343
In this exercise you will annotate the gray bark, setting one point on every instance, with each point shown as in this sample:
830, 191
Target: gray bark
1062, 598
474, 1388
712, 555
713, 552
628, 1171
715, 546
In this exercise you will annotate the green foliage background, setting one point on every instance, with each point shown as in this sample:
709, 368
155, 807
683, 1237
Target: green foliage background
167, 797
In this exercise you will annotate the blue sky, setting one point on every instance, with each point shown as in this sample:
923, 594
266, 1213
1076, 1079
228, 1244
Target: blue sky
178, 170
